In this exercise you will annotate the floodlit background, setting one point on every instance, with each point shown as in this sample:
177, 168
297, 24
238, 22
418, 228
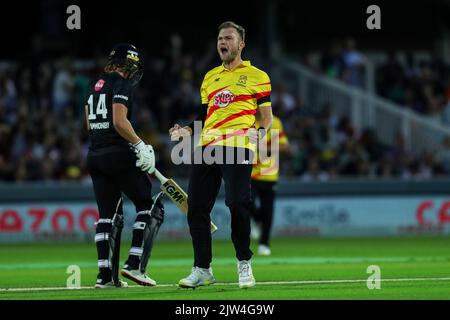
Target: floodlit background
367, 113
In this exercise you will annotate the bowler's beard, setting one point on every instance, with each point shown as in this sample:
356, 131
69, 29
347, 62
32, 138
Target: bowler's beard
231, 56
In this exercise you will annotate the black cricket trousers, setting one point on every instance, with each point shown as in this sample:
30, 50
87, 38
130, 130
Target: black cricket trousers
204, 185
265, 192
114, 173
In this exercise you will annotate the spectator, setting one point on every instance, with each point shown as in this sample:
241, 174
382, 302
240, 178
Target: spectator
314, 172
8, 93
283, 100
390, 79
332, 62
63, 85
443, 155
354, 64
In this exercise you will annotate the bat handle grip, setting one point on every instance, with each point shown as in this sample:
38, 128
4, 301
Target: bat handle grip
160, 177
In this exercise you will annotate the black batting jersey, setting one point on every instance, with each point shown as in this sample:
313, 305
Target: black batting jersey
109, 88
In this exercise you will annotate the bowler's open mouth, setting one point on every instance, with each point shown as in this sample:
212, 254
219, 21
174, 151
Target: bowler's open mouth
223, 50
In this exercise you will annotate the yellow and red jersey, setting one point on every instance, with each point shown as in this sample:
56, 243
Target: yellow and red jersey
268, 169
232, 97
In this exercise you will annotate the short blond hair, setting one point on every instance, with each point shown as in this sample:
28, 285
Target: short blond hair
230, 24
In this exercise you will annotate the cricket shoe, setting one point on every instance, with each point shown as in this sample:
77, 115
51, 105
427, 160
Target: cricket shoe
198, 277
246, 279
137, 276
264, 250
110, 284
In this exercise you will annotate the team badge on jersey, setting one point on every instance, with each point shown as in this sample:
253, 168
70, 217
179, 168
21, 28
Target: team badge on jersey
99, 85
223, 98
242, 80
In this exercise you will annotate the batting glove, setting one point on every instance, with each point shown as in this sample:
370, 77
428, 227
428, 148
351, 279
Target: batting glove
146, 156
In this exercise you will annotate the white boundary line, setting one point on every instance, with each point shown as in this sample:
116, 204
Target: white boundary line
294, 282
230, 261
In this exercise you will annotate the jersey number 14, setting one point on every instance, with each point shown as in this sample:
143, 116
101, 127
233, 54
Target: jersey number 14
101, 107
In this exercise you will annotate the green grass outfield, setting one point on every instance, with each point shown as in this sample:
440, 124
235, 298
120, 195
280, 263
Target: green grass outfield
311, 268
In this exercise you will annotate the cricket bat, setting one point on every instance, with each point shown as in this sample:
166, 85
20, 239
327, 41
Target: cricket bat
176, 194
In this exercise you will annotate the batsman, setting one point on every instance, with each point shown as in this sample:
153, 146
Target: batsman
118, 162
231, 95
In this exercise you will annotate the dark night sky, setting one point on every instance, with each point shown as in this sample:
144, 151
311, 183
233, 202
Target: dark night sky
301, 24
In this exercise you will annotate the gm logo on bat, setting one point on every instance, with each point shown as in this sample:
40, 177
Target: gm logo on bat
174, 193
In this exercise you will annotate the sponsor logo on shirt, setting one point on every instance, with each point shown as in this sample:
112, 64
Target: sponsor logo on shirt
223, 98
99, 85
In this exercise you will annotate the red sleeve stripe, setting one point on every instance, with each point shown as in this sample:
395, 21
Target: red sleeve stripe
234, 116
243, 97
263, 84
257, 96
260, 95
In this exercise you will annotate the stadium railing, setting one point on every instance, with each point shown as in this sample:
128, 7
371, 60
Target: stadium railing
364, 109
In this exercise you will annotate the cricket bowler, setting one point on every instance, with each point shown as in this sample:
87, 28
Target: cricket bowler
231, 95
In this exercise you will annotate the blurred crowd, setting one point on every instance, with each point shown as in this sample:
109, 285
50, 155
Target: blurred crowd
344, 61
325, 146
43, 135
420, 83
